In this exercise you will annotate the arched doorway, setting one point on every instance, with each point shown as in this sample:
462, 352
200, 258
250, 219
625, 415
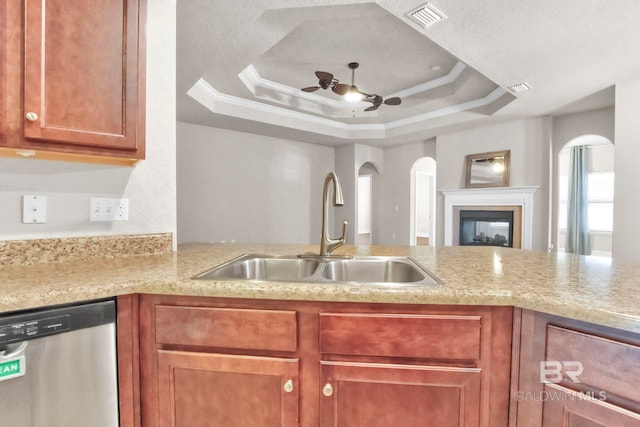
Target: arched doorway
365, 214
423, 202
597, 193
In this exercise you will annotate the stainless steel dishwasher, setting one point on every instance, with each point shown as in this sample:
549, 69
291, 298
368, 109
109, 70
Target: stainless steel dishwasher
58, 367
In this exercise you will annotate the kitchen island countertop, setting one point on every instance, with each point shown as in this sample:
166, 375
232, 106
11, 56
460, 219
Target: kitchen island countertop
592, 289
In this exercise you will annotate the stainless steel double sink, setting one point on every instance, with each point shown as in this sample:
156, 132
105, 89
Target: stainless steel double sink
385, 270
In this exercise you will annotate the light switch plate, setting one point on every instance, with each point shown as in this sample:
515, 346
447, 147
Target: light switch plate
34, 209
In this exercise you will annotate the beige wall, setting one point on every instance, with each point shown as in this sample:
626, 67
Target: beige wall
394, 204
528, 141
150, 186
626, 232
234, 186
349, 160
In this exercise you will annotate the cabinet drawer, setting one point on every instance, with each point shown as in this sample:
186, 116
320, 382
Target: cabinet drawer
607, 365
401, 335
226, 327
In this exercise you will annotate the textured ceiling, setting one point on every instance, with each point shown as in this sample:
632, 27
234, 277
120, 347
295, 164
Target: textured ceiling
241, 64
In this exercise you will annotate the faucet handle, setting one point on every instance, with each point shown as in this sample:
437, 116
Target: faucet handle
343, 239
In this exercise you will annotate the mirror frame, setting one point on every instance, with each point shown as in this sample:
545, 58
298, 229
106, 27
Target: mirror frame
504, 181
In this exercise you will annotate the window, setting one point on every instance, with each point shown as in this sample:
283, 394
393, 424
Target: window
600, 201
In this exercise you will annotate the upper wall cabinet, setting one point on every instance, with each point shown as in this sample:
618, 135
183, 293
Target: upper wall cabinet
73, 80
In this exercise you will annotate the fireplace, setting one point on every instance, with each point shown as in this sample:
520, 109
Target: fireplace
486, 228
519, 200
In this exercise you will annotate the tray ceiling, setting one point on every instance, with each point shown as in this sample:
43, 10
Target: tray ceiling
241, 64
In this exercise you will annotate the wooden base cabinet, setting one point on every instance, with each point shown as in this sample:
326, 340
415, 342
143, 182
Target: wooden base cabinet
264, 363
574, 374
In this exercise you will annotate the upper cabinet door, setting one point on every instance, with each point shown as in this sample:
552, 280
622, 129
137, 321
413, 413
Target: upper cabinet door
84, 73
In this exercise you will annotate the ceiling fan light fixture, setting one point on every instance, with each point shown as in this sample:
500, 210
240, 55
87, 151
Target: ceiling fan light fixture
427, 15
353, 95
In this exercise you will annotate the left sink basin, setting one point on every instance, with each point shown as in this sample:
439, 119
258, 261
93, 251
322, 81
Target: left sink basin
263, 267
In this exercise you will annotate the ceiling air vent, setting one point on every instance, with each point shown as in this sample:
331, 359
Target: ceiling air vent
427, 15
520, 87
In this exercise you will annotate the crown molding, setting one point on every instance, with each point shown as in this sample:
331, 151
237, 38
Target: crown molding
248, 109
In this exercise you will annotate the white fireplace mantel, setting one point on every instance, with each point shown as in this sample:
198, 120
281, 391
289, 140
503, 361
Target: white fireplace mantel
495, 196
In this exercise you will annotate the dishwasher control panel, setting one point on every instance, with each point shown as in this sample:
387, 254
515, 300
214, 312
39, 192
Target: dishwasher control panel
36, 328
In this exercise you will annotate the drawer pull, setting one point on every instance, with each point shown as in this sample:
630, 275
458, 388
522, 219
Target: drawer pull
31, 116
288, 386
327, 390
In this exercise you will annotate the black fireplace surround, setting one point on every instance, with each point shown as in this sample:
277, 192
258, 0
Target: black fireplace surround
486, 228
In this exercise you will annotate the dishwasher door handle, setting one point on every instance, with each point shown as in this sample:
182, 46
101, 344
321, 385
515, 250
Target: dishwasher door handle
13, 350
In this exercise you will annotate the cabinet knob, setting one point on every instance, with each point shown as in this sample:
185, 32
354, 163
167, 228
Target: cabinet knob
288, 386
327, 390
31, 116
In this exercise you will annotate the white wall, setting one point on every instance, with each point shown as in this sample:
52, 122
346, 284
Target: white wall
234, 186
626, 232
150, 186
528, 141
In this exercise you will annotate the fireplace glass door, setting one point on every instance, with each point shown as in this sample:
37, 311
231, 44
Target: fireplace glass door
486, 228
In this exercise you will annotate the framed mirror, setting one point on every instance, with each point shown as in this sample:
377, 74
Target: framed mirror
488, 169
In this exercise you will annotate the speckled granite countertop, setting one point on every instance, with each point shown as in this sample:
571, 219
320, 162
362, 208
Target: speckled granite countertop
592, 289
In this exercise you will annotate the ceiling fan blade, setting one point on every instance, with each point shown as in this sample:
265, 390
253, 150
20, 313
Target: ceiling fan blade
310, 89
373, 107
341, 88
393, 101
323, 75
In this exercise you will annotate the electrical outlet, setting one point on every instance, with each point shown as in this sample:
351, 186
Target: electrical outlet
34, 209
107, 210
122, 210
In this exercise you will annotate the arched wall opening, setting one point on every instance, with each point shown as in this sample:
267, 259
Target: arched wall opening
422, 212
365, 203
599, 195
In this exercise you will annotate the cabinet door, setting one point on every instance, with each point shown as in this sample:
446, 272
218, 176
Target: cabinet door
567, 408
81, 73
379, 395
219, 390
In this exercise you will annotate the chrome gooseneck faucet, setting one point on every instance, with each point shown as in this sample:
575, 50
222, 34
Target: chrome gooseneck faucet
327, 244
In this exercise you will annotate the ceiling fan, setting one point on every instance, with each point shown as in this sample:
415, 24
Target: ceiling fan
350, 92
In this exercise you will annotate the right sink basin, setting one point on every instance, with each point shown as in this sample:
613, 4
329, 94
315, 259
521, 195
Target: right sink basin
377, 270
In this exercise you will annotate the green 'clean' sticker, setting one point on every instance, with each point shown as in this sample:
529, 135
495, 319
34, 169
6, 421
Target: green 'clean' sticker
12, 368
